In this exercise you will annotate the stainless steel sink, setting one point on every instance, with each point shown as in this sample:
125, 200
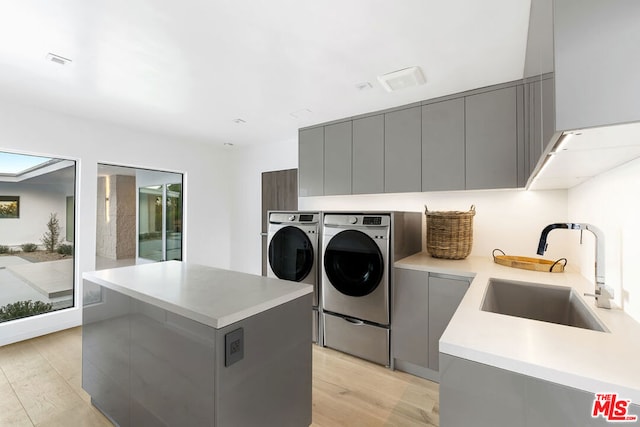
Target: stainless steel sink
554, 304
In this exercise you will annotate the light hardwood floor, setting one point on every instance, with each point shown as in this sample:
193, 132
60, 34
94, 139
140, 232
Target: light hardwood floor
40, 385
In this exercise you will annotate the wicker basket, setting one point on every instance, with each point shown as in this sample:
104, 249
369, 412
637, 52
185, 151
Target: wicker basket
449, 233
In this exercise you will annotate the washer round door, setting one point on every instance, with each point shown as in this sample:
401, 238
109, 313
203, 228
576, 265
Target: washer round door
353, 263
290, 254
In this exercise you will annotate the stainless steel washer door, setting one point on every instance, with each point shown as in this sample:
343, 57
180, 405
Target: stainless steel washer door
353, 263
291, 254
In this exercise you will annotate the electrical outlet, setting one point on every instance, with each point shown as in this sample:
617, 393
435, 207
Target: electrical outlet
233, 347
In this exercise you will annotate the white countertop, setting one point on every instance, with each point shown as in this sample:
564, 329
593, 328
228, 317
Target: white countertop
580, 358
207, 295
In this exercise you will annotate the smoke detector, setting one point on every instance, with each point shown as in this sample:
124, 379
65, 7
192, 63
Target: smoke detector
401, 79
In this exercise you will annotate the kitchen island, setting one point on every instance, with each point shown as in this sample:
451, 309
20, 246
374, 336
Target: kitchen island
500, 370
180, 344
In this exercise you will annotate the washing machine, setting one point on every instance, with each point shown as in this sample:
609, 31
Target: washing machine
293, 252
357, 258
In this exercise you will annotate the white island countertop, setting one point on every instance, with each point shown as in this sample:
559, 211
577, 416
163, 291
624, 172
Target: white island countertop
207, 295
580, 358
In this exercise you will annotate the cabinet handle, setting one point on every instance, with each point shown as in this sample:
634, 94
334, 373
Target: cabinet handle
354, 321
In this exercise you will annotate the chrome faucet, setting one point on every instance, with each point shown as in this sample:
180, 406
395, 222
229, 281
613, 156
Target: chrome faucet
603, 293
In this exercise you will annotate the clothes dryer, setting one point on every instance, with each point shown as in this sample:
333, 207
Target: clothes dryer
293, 252
358, 250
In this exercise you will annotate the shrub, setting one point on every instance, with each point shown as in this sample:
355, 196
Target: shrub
4, 249
20, 309
51, 238
65, 249
29, 247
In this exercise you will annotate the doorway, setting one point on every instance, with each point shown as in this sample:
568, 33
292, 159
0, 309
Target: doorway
279, 193
139, 216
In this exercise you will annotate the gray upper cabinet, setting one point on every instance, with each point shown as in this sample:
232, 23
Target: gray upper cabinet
445, 295
540, 106
403, 151
473, 140
596, 62
443, 128
492, 138
311, 162
337, 159
368, 155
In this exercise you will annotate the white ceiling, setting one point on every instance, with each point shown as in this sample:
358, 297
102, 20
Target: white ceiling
189, 68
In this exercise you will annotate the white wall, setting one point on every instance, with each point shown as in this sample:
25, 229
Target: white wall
32, 131
611, 202
246, 183
37, 201
507, 219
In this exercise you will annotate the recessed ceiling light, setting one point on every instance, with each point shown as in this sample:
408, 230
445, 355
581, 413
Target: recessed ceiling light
57, 59
364, 86
239, 121
402, 79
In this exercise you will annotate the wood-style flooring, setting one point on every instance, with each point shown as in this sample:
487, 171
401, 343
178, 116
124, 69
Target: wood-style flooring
40, 385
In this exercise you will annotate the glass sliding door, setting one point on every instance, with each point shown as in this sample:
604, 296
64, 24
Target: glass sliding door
150, 226
160, 222
173, 221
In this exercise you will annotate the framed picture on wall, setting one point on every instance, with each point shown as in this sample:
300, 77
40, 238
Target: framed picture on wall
9, 206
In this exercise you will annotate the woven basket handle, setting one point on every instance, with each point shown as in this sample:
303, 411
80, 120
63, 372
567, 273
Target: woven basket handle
472, 209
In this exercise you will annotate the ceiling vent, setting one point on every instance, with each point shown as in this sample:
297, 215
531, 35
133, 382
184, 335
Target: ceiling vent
57, 59
401, 79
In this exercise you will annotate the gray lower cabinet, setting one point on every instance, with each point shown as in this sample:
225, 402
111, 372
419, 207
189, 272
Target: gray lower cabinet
423, 305
311, 162
403, 151
337, 158
368, 155
146, 366
445, 294
410, 317
443, 164
492, 139
479, 395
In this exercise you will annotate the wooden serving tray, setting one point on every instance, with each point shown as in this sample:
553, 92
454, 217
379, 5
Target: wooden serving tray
526, 263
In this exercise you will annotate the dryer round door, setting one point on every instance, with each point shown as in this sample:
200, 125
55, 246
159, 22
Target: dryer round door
291, 254
353, 263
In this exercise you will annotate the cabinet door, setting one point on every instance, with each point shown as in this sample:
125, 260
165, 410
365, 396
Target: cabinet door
445, 294
540, 119
368, 155
596, 62
403, 151
492, 139
443, 145
337, 159
311, 162
410, 320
